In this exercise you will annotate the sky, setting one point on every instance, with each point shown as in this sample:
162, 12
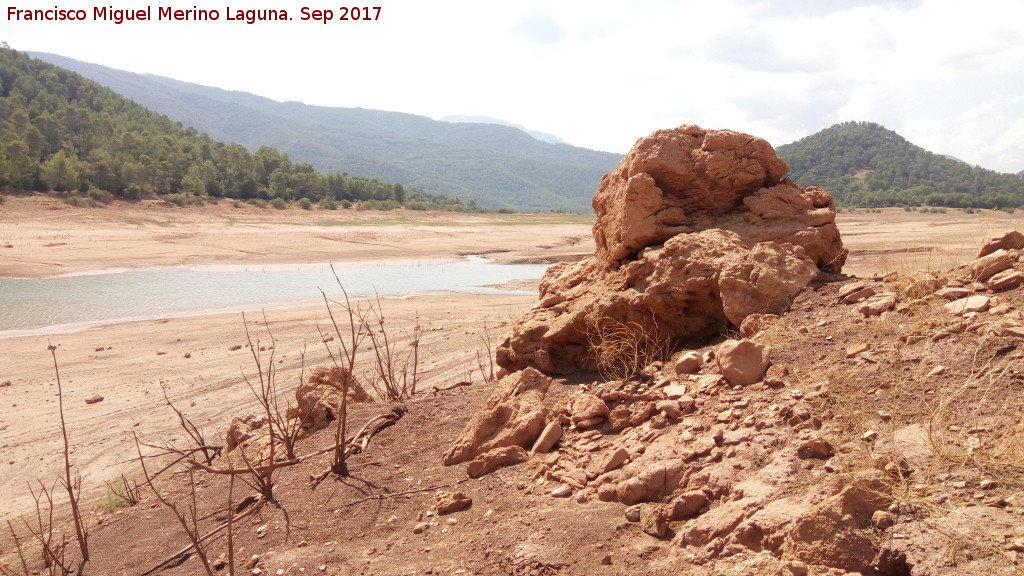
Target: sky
946, 75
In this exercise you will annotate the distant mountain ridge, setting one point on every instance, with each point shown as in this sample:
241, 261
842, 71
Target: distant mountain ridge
491, 164
865, 164
542, 136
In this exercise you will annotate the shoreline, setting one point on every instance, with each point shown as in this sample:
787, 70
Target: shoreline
193, 356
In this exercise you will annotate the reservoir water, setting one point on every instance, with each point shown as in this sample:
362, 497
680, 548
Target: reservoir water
69, 302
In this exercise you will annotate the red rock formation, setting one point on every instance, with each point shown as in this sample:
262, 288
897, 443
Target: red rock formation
695, 230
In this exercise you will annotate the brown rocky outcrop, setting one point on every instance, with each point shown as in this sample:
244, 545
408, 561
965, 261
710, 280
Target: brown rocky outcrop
515, 415
695, 231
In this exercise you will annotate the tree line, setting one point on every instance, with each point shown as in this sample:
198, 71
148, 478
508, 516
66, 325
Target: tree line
864, 164
62, 132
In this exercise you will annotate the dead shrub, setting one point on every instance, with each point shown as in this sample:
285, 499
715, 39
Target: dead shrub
621, 349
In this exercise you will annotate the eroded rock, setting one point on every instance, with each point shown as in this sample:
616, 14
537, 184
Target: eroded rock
514, 415
696, 231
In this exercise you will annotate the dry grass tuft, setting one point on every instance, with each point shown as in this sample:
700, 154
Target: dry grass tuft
622, 349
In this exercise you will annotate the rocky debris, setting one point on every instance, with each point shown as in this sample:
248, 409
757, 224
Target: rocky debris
514, 416
449, 502
318, 400
743, 362
987, 266
491, 460
241, 430
1010, 240
696, 230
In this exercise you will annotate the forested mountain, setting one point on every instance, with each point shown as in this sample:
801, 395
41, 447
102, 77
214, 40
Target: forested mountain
493, 165
542, 136
864, 164
60, 131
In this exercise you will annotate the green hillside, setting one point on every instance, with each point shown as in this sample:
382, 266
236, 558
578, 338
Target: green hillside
62, 132
491, 164
864, 164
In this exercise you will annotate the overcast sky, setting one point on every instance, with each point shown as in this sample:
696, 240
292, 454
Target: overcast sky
947, 75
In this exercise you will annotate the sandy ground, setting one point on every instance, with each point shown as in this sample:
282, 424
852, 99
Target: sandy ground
128, 364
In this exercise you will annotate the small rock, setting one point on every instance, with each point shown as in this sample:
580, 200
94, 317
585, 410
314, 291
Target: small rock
775, 376
687, 504
550, 436
674, 391
448, 502
869, 436
877, 304
94, 399
688, 363
976, 303
252, 562
987, 484
608, 461
854, 350
490, 461
743, 362
188, 354
1005, 280
853, 293
883, 519
669, 408
606, 560
938, 370
562, 491
989, 265
633, 513
815, 448
421, 528
653, 519
586, 407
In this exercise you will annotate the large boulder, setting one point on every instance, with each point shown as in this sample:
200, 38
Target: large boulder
695, 231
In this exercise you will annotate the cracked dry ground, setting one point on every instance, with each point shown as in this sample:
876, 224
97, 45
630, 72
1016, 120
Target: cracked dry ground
885, 439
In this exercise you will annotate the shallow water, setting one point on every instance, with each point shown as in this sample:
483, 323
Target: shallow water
69, 302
